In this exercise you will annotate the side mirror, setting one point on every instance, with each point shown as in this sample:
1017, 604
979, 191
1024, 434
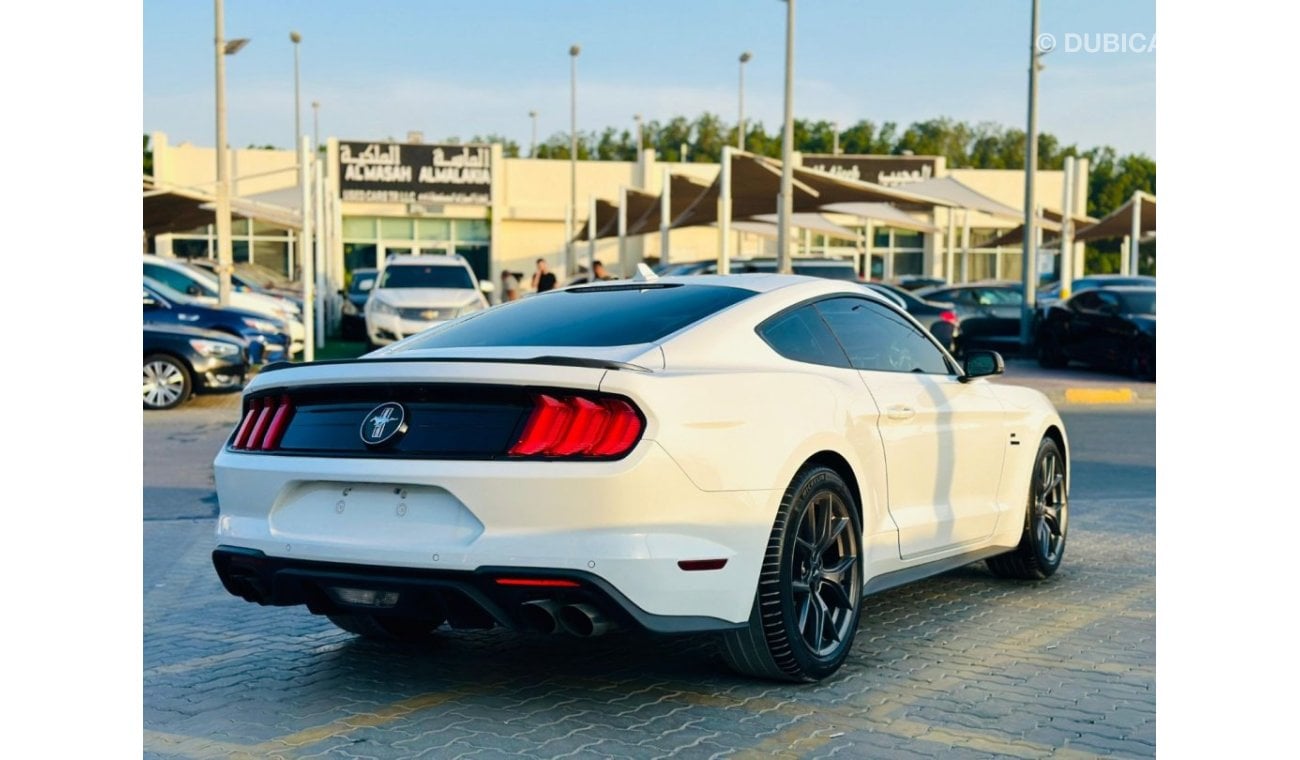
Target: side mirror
486, 286
982, 364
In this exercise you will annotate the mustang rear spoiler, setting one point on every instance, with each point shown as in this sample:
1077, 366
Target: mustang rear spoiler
558, 361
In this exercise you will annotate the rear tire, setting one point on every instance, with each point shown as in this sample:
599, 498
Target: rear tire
1050, 355
1142, 364
1047, 517
386, 628
809, 594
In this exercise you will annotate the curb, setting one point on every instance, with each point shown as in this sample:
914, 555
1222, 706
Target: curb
1100, 396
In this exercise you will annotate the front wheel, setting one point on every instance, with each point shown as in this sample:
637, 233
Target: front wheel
809, 594
166, 382
1047, 516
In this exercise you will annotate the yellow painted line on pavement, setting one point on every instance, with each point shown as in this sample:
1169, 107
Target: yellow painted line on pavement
1099, 395
382, 716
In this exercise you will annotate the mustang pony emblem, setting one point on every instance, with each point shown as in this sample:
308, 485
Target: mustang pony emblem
383, 424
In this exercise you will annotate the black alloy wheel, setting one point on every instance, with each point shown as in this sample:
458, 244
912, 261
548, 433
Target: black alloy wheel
809, 595
1047, 518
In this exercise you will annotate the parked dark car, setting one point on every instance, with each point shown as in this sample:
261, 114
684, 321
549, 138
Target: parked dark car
1051, 293
938, 317
1113, 327
989, 313
268, 337
179, 361
353, 323
917, 282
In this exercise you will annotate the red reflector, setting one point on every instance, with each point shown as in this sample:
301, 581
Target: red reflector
949, 316
278, 424
246, 427
584, 429
263, 420
622, 431
549, 419
538, 582
702, 564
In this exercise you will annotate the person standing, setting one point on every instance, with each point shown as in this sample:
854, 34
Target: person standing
509, 285
543, 280
600, 273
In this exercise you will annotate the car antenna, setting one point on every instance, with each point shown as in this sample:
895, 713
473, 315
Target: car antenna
644, 274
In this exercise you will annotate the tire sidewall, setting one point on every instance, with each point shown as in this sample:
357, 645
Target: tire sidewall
1046, 565
187, 384
807, 489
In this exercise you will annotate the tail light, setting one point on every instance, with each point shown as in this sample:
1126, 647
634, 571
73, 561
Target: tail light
264, 424
577, 426
949, 316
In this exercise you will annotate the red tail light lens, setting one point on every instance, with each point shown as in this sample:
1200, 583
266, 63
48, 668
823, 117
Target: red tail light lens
264, 424
576, 426
949, 316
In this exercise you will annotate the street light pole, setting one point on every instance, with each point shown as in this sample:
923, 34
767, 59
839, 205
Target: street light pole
295, 38
835, 138
225, 254
783, 263
571, 254
639, 135
532, 147
1030, 265
745, 58
315, 125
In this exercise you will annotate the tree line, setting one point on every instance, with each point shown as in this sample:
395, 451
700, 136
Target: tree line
1112, 177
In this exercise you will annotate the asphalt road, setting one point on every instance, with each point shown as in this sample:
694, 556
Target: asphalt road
963, 665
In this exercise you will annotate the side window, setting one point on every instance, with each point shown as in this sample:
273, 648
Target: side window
876, 338
1108, 301
802, 336
170, 278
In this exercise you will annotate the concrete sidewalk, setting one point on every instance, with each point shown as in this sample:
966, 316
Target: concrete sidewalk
1078, 385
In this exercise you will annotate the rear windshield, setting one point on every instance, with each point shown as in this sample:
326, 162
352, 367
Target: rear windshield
598, 316
426, 276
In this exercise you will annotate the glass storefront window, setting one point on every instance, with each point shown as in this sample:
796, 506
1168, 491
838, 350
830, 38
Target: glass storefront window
476, 230
396, 229
909, 263
881, 238
269, 230
1011, 265
360, 255
240, 248
433, 229
980, 266
361, 227
908, 239
272, 254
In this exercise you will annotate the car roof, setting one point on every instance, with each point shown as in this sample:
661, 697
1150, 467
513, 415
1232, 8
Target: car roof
437, 260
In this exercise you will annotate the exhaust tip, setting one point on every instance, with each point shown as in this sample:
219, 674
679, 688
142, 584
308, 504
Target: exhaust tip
583, 620
540, 615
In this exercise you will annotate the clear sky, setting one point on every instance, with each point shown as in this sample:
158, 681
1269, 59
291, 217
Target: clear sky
447, 68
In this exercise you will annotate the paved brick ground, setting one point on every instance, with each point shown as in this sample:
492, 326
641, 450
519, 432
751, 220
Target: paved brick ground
964, 665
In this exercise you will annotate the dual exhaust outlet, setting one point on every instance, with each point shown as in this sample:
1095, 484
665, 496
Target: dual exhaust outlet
582, 620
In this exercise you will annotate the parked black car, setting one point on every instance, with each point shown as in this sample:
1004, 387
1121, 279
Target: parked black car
989, 313
1051, 293
939, 318
917, 282
353, 323
179, 361
268, 337
1112, 327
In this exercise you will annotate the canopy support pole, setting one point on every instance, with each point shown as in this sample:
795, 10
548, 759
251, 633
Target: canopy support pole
1136, 234
724, 213
665, 216
305, 257
1066, 264
965, 245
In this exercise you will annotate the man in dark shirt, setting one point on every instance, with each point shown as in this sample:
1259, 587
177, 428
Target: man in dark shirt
543, 280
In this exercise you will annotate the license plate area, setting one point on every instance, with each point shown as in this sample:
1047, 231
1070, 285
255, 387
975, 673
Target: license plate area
369, 514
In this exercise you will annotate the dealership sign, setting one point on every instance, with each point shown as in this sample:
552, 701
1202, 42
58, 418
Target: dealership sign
882, 170
415, 173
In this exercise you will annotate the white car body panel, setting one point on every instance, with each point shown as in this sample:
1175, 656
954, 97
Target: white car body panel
728, 424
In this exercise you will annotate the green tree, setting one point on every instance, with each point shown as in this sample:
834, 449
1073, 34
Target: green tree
148, 157
509, 148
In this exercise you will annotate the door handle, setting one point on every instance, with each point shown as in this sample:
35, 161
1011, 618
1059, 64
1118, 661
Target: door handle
900, 412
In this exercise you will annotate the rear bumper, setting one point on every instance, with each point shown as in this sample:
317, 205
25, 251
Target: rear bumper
627, 523
466, 599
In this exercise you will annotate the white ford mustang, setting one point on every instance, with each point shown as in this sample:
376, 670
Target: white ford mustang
748, 455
